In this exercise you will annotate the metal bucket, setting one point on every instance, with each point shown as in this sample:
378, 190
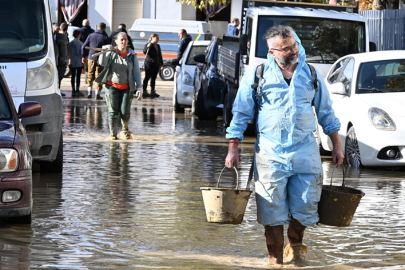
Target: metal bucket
225, 205
338, 203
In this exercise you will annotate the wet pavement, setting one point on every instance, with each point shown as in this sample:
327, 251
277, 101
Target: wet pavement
137, 204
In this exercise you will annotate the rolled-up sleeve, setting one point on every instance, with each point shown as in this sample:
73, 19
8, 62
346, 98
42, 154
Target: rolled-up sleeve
323, 108
244, 107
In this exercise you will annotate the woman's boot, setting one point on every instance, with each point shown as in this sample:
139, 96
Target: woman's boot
145, 93
275, 243
153, 93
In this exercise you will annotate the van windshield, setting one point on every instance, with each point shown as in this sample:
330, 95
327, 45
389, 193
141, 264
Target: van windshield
324, 40
22, 30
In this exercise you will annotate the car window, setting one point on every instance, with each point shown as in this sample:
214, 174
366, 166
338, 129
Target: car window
336, 69
382, 76
194, 51
5, 113
347, 75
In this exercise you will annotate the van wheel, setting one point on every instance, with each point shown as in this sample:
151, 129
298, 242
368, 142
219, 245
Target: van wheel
167, 73
21, 220
55, 166
202, 113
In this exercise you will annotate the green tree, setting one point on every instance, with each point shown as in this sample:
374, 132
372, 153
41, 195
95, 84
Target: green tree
201, 4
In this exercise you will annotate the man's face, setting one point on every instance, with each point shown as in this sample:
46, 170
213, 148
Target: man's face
284, 51
180, 34
236, 23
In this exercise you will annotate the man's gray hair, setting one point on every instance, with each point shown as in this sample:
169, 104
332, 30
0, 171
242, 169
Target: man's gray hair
121, 34
281, 31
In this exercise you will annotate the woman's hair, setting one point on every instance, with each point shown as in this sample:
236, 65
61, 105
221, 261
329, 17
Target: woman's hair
152, 36
76, 33
121, 34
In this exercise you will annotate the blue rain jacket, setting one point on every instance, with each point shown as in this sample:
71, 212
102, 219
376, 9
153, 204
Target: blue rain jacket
286, 119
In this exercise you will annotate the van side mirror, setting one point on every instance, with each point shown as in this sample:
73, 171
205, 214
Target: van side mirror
338, 89
372, 46
28, 109
243, 40
199, 58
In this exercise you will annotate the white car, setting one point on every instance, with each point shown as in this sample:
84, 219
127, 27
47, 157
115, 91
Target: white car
368, 94
184, 76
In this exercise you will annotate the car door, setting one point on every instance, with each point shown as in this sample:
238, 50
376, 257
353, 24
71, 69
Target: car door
343, 105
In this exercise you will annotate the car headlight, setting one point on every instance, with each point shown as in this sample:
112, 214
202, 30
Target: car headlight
40, 77
186, 79
8, 160
381, 120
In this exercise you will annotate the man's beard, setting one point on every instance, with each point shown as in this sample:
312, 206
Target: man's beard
289, 60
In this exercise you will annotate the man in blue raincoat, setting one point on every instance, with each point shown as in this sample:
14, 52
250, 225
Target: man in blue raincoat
287, 163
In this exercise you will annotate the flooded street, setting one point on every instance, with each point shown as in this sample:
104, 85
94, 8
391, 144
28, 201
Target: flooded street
138, 205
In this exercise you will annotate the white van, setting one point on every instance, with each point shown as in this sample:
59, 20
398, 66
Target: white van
168, 38
27, 60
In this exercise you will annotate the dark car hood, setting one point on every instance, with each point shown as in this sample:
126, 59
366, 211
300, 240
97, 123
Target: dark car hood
7, 134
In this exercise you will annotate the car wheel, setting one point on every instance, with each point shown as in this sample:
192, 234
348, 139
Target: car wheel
226, 113
67, 72
176, 106
167, 73
202, 113
55, 166
352, 151
21, 220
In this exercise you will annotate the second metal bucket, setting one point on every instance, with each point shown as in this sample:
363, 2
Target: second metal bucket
338, 204
225, 205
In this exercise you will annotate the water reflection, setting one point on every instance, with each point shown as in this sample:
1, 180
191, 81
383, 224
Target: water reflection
138, 204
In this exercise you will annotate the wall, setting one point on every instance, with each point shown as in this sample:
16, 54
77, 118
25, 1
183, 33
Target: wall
236, 9
53, 5
100, 11
168, 10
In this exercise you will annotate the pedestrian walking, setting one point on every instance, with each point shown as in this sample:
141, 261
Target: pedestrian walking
62, 51
95, 40
121, 28
287, 163
122, 79
182, 46
76, 65
153, 63
233, 27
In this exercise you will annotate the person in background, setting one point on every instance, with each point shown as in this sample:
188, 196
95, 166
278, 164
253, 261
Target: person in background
95, 40
122, 79
233, 27
76, 65
86, 30
55, 28
153, 63
121, 28
63, 57
184, 40
287, 164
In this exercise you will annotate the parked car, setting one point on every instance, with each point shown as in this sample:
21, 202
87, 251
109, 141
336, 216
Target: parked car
15, 158
368, 94
207, 101
184, 77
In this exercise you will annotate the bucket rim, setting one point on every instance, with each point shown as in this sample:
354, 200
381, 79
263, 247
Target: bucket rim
358, 191
225, 189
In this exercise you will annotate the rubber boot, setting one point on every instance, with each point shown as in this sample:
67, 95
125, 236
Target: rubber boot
295, 251
98, 97
113, 124
78, 93
125, 134
73, 89
275, 243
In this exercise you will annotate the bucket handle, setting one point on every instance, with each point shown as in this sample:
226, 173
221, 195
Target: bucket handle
237, 177
344, 175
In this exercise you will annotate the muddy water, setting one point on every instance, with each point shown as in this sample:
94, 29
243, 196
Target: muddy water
138, 204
